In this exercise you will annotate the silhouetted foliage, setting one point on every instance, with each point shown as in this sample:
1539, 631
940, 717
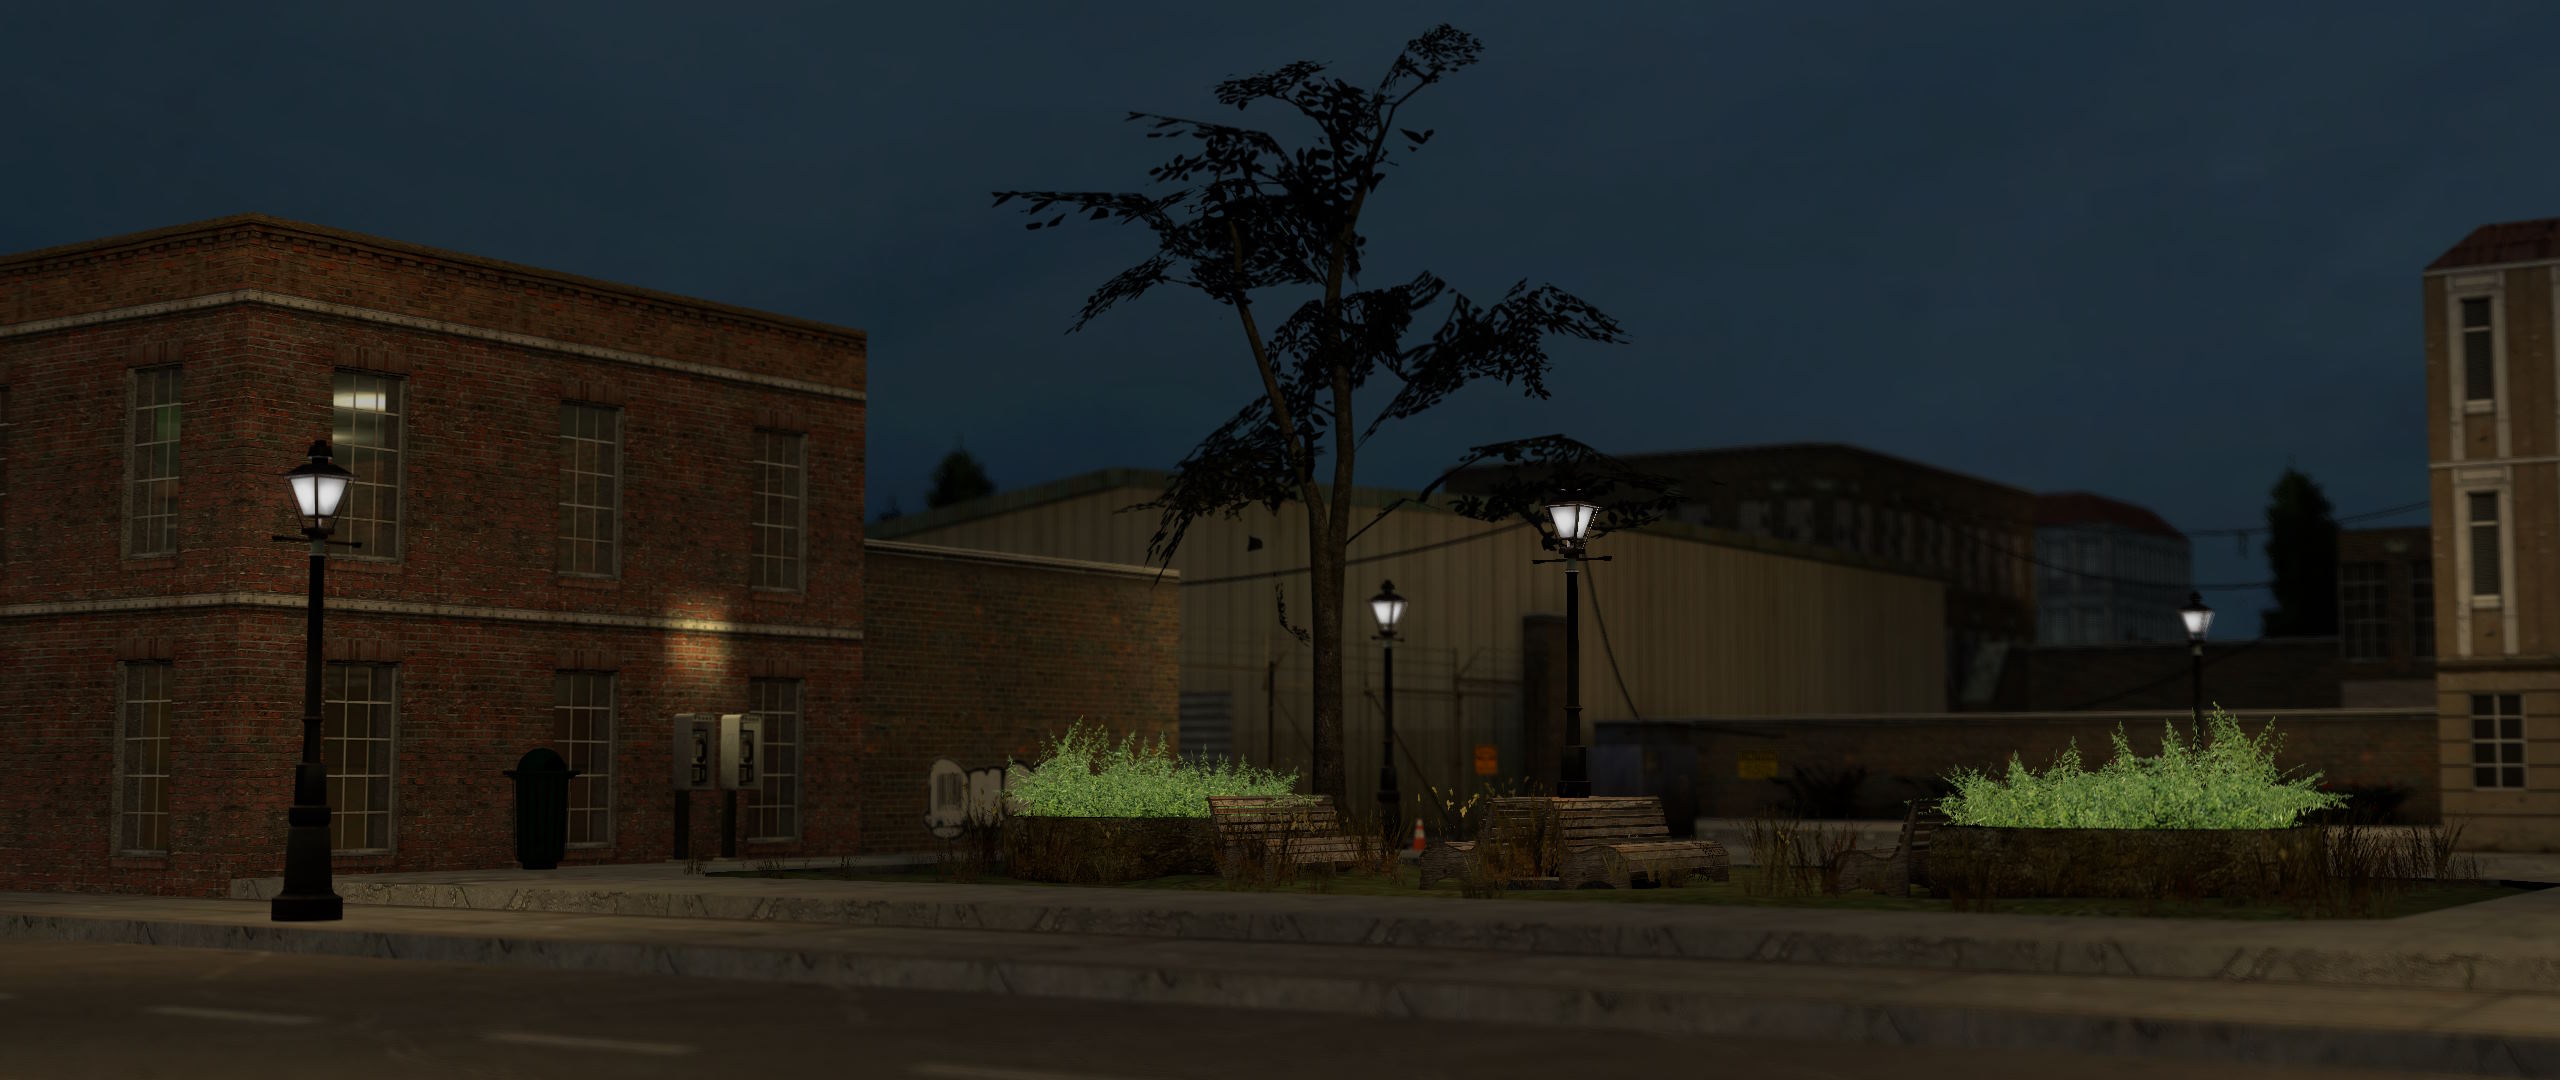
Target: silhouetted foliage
958, 479
1241, 213
2302, 551
1823, 794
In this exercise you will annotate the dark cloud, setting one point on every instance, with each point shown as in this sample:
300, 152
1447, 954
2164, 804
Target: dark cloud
2149, 252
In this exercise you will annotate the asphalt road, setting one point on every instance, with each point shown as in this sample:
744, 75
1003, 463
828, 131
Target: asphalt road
135, 1012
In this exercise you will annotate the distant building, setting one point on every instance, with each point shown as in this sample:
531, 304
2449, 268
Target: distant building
1972, 534
2386, 617
2494, 457
2111, 572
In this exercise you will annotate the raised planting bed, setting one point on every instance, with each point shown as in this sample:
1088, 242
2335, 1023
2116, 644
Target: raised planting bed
1107, 850
1976, 861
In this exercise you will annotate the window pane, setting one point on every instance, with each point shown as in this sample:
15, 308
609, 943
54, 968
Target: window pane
2486, 776
2511, 753
2511, 727
2484, 753
2512, 776
2484, 727
2475, 312
2484, 507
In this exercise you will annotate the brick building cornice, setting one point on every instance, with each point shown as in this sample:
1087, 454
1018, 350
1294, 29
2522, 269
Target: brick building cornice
240, 229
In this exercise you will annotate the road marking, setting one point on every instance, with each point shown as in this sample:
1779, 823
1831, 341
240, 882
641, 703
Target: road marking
949, 1071
572, 1042
194, 1013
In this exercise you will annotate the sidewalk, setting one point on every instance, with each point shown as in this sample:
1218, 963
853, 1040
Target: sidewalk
2488, 1032
2511, 944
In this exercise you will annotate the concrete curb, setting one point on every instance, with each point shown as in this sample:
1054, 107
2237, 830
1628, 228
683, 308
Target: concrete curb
1712, 1007
2397, 953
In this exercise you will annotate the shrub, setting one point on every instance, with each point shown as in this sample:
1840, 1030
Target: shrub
2230, 782
1084, 775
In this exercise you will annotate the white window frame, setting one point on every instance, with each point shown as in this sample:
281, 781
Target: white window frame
2502, 742
341, 447
773, 810
133, 740
798, 511
384, 680
575, 435
2364, 623
157, 491
590, 792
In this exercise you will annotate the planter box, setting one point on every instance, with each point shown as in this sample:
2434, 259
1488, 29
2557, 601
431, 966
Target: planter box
1098, 851
2119, 863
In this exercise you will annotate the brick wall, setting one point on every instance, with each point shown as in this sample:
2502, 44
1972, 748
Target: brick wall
473, 612
975, 657
1901, 754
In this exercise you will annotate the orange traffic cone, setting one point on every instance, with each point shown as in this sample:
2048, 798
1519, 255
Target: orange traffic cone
1417, 836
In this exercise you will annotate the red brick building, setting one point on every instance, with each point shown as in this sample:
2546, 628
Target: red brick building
583, 507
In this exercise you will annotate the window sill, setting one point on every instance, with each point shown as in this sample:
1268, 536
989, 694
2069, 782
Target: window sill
2479, 408
139, 862
151, 562
584, 581
364, 566
2488, 603
779, 596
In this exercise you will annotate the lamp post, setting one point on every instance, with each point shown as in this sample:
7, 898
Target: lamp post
2199, 618
1389, 609
1572, 519
318, 485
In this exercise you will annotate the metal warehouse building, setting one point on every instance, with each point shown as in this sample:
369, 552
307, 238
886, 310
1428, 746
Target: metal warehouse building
1685, 620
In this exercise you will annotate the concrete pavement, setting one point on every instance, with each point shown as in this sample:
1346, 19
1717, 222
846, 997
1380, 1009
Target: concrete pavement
74, 1011
2469, 1031
2509, 944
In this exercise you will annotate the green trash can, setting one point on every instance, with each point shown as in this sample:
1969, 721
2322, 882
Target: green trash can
542, 808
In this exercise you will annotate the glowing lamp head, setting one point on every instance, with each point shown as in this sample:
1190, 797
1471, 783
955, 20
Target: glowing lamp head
2199, 618
1389, 609
1572, 518
318, 486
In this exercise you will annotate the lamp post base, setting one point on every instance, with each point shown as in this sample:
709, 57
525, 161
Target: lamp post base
1574, 779
307, 896
326, 907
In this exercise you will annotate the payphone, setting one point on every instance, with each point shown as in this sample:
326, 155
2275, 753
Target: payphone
721, 752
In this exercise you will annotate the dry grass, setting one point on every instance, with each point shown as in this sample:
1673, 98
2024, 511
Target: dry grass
1796, 859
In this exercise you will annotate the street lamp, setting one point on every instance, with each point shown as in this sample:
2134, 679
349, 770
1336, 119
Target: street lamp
1572, 519
318, 485
2199, 618
1389, 609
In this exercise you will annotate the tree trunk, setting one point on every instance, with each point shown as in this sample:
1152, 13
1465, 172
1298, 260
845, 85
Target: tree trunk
1325, 776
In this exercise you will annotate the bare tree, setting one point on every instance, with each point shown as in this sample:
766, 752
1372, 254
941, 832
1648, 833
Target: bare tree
1244, 215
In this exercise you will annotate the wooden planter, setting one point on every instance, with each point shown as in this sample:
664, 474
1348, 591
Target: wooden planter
1099, 851
2119, 863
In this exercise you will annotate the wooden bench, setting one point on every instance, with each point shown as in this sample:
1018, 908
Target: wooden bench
1272, 831
1600, 840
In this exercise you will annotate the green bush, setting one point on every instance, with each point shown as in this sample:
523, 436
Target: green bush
1084, 775
2230, 782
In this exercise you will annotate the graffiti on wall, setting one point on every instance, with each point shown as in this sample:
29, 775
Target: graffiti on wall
956, 797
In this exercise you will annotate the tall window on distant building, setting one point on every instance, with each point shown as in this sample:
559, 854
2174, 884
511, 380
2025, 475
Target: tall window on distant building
151, 504
2479, 355
357, 705
2361, 595
2422, 608
582, 710
2485, 579
364, 432
2497, 741
142, 764
590, 495
780, 520
773, 810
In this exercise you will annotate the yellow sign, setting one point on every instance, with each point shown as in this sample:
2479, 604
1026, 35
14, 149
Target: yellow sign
1756, 766
1488, 759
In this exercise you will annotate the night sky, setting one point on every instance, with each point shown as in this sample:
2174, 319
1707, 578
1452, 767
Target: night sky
2151, 254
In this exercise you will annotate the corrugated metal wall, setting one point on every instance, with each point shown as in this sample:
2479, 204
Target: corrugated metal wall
1671, 627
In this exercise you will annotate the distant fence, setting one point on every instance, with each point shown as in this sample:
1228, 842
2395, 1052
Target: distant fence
1738, 766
